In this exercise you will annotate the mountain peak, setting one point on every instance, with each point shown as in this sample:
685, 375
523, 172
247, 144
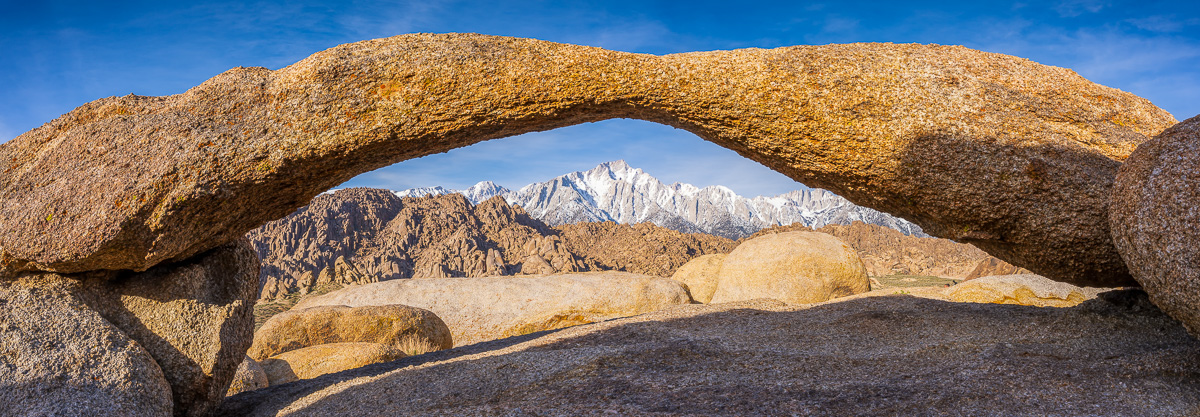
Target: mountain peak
616, 191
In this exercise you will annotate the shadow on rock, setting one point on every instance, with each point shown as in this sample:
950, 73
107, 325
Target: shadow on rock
898, 355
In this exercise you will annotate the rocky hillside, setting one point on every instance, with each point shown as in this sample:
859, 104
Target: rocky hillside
362, 235
886, 251
614, 191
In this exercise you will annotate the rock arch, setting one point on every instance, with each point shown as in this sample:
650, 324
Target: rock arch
1010, 155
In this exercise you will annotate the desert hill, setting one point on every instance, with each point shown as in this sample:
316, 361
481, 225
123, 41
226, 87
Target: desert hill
362, 235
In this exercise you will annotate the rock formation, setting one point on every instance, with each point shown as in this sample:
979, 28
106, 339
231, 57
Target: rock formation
248, 377
1154, 220
390, 325
642, 248
889, 355
992, 266
700, 275
793, 267
314, 361
194, 318
1012, 156
1026, 290
885, 251
59, 357
360, 236
488, 308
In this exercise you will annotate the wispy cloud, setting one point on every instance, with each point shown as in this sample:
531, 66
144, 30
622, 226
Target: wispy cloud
1073, 8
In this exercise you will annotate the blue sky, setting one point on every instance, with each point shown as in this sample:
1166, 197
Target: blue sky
56, 55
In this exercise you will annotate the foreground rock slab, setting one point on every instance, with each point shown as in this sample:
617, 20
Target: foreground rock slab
59, 358
1024, 289
1155, 214
392, 325
488, 308
1012, 156
887, 355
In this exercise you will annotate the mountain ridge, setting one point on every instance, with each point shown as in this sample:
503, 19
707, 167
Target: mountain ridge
615, 191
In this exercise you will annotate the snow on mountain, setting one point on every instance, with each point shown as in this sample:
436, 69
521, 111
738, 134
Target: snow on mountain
614, 191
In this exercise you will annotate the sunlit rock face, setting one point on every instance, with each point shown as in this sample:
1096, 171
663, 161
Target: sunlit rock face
1007, 154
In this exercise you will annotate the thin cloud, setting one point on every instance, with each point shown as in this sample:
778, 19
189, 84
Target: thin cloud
1075, 8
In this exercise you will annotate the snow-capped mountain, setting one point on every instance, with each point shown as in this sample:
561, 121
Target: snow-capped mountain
623, 194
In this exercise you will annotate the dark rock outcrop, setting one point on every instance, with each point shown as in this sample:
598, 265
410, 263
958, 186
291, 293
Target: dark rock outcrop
1155, 215
1012, 156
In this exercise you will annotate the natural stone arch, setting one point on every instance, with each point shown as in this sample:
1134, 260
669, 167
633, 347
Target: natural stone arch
1010, 155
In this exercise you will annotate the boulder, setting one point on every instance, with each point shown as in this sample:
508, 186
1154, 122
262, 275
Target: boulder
992, 266
1025, 289
700, 275
793, 267
314, 361
392, 325
892, 355
59, 357
1155, 213
1011, 156
196, 318
487, 308
248, 377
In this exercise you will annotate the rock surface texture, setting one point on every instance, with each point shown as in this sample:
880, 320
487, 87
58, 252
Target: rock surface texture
700, 275
391, 325
248, 377
481, 309
1026, 290
314, 361
59, 358
1154, 216
1012, 156
887, 355
194, 317
793, 267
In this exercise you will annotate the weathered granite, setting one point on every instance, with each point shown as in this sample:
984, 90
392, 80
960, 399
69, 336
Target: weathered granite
793, 267
393, 325
196, 318
59, 358
1155, 219
1012, 156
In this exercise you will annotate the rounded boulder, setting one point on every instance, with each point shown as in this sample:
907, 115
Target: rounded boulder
700, 275
248, 377
793, 267
393, 325
314, 361
1154, 210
